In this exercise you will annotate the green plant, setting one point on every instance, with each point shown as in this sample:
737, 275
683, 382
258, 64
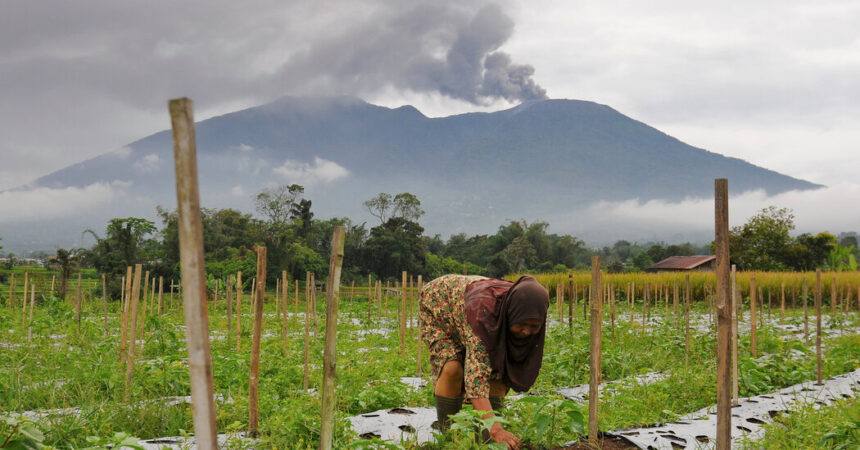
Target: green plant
548, 420
20, 432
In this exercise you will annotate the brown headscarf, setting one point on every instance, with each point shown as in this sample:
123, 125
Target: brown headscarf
492, 306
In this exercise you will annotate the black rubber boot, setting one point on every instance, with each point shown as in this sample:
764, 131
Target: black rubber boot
445, 408
498, 403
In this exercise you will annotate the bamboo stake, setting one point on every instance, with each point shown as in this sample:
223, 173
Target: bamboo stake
735, 301
78, 303
134, 299
32, 305
152, 296
307, 330
570, 308
53, 279
314, 303
160, 295
253, 379
724, 328
284, 303
595, 350
143, 310
818, 326
753, 319
231, 285
104, 302
403, 316
123, 346
330, 352
805, 312
238, 311
420, 291
24, 303
10, 300
193, 276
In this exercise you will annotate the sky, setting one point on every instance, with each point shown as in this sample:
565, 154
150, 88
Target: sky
775, 83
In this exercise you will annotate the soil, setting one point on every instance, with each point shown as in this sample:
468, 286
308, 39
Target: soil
605, 443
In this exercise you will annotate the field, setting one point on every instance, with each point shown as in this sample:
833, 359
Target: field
63, 384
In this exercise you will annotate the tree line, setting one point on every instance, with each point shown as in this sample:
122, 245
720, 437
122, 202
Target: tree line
298, 242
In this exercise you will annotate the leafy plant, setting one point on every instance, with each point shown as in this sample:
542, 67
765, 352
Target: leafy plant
549, 419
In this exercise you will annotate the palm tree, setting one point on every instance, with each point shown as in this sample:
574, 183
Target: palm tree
67, 260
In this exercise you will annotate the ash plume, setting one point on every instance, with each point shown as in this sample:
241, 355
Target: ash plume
430, 47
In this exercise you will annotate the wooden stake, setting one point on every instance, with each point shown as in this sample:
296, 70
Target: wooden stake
284, 302
818, 326
723, 306
307, 329
253, 379
595, 350
78, 303
123, 349
735, 300
612, 311
805, 312
403, 315
570, 308
193, 276
753, 319
238, 311
231, 285
32, 305
134, 299
420, 343
160, 295
330, 352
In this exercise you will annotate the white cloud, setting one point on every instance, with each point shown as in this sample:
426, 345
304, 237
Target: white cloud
122, 152
828, 209
148, 163
238, 191
46, 203
322, 170
244, 148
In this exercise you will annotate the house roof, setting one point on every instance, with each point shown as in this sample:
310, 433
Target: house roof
682, 262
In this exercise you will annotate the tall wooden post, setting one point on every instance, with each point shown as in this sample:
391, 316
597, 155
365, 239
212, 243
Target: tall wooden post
134, 299
253, 379
238, 311
753, 319
595, 350
104, 303
818, 325
193, 276
330, 351
724, 319
735, 300
403, 286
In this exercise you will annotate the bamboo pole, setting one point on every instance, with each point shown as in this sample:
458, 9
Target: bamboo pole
238, 311
818, 326
753, 319
420, 343
403, 316
330, 352
53, 279
123, 348
78, 303
253, 379
193, 276
595, 350
134, 300
723, 306
285, 287
231, 285
735, 300
305, 379
10, 300
160, 295
32, 305
805, 309
104, 302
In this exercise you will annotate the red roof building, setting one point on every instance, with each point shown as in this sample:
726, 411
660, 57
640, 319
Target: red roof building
698, 263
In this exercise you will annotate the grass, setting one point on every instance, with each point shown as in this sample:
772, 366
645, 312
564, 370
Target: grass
63, 368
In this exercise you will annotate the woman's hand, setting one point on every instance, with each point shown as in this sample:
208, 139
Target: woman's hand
500, 436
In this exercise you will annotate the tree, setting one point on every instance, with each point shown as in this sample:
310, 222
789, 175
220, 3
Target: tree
763, 242
379, 206
67, 260
276, 203
125, 244
808, 252
642, 261
395, 246
403, 205
520, 254
302, 217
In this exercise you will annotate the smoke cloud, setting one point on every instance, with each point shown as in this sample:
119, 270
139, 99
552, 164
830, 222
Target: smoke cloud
432, 48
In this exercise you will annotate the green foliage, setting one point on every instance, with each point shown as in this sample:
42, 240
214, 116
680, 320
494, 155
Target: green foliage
549, 422
19, 433
841, 258
395, 246
761, 243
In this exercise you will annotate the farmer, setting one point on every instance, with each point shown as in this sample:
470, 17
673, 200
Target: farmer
485, 336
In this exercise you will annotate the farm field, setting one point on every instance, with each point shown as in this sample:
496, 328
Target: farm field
64, 385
